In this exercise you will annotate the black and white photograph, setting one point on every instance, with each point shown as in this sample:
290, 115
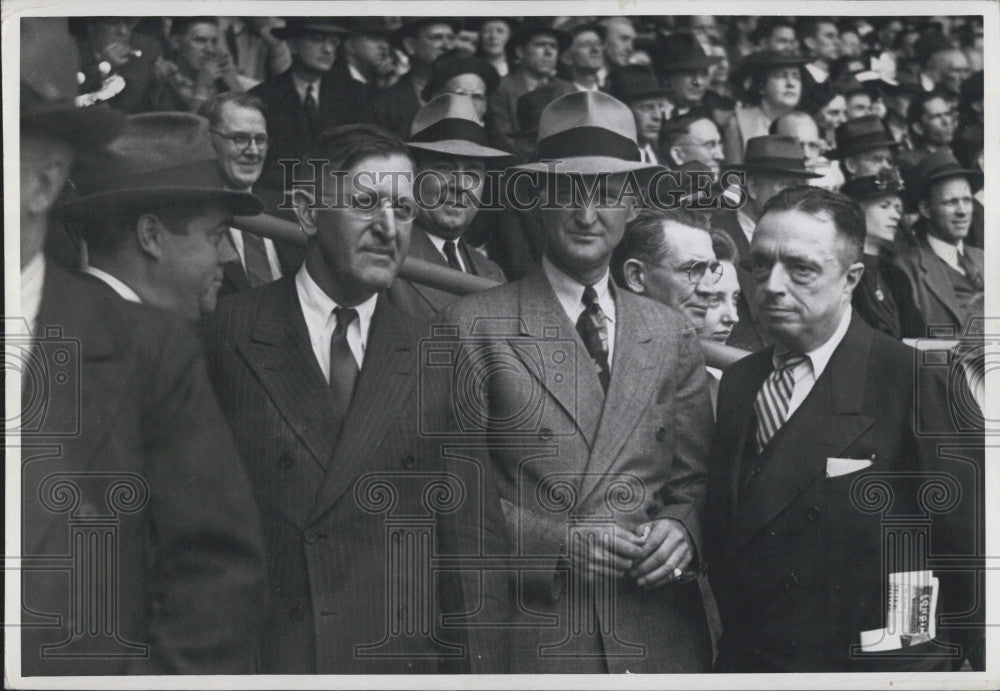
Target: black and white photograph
501, 344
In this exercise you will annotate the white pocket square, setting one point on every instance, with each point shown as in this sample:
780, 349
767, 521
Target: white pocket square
836, 467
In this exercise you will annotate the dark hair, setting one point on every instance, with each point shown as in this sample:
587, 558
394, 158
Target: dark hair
808, 26
644, 238
968, 144
107, 234
345, 146
915, 111
765, 29
180, 25
752, 88
212, 108
724, 247
675, 128
847, 216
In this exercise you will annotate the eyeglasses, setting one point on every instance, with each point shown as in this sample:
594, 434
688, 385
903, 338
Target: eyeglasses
696, 270
366, 207
242, 140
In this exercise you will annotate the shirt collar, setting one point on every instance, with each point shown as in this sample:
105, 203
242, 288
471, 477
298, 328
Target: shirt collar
116, 284
439, 241
301, 84
317, 306
32, 281
947, 251
569, 291
820, 356
356, 74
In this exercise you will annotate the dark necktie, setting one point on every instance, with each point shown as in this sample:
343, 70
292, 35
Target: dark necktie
971, 270
343, 366
451, 252
310, 101
258, 269
771, 403
592, 325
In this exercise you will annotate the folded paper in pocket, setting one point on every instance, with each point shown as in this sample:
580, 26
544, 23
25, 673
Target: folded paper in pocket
843, 466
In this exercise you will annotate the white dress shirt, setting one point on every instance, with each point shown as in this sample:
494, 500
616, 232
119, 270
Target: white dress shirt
116, 284
356, 74
820, 74
747, 224
317, 308
569, 292
809, 370
272, 254
648, 154
439, 243
32, 281
947, 252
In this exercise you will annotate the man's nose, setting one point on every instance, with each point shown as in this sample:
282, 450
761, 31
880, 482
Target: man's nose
729, 314
586, 216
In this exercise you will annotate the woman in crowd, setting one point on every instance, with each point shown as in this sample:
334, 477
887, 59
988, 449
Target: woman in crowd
494, 35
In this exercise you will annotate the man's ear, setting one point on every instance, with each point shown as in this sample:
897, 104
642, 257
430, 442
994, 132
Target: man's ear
918, 128
519, 53
924, 208
149, 233
851, 165
635, 275
410, 45
853, 274
674, 155
303, 200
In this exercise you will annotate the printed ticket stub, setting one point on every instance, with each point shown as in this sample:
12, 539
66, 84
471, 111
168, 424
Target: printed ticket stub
911, 615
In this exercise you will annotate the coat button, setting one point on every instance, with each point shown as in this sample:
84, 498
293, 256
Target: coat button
545, 433
287, 460
296, 613
311, 536
791, 581
408, 461
661, 434
813, 513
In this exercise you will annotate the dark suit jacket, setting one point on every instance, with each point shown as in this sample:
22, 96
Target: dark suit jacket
745, 334
138, 73
290, 131
329, 503
395, 107
136, 411
234, 275
923, 291
797, 559
423, 301
502, 108
565, 455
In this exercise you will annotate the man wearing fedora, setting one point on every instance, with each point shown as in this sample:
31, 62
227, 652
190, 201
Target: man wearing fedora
593, 413
637, 87
154, 210
451, 151
424, 40
305, 99
773, 163
130, 485
681, 65
944, 275
367, 62
864, 147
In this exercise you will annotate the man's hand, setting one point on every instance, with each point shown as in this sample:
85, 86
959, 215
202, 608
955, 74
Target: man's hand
611, 551
665, 555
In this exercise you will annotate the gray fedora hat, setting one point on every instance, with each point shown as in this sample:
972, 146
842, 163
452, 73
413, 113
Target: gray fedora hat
448, 125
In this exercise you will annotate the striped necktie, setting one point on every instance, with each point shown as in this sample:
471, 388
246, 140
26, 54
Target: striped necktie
592, 325
771, 404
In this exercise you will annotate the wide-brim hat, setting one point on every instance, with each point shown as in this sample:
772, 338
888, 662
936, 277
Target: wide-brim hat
49, 64
454, 63
447, 125
887, 183
935, 167
631, 83
587, 133
160, 159
776, 154
300, 26
763, 61
534, 26
862, 134
680, 52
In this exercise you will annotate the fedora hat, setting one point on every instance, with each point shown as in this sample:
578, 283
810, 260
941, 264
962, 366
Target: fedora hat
535, 26
587, 132
159, 158
530, 107
370, 25
49, 64
680, 52
776, 154
862, 134
764, 61
448, 125
633, 83
935, 167
300, 26
887, 183
453, 63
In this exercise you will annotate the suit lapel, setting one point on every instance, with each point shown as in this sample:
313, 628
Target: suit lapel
421, 247
385, 383
743, 416
936, 278
829, 420
280, 354
631, 386
477, 264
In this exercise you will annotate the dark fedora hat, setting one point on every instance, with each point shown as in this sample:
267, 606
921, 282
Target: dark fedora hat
536, 26
370, 25
633, 83
588, 133
776, 154
887, 183
49, 64
302, 26
680, 52
453, 63
763, 61
447, 125
575, 26
935, 167
531, 105
862, 134
161, 158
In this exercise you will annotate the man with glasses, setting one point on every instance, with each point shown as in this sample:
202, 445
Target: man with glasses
317, 374
692, 137
667, 255
304, 100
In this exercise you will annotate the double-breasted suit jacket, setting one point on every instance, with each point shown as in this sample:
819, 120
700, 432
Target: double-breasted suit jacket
565, 455
143, 552
333, 505
424, 301
797, 557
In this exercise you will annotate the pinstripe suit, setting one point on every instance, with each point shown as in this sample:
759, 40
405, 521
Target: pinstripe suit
325, 501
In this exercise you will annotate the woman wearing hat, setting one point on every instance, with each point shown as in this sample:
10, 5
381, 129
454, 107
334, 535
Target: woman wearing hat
494, 35
772, 86
879, 198
454, 73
